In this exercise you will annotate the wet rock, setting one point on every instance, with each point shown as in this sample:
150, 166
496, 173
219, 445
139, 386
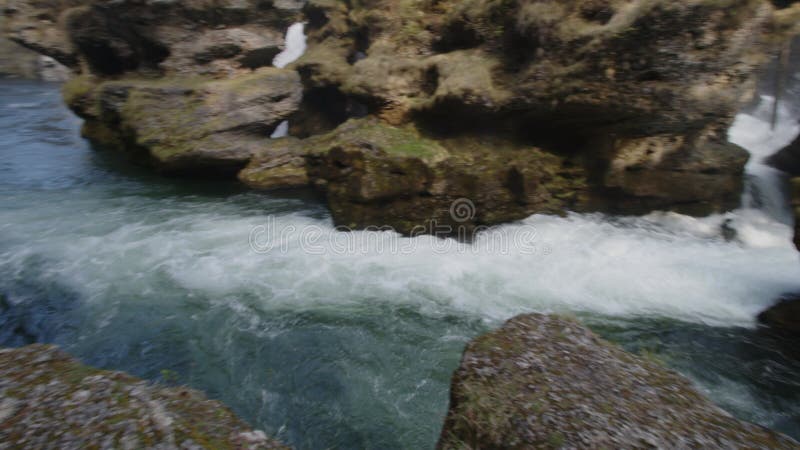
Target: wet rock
784, 317
50, 400
796, 208
788, 159
548, 382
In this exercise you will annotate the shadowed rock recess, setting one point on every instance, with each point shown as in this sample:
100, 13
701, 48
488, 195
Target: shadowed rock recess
548, 382
49, 400
399, 107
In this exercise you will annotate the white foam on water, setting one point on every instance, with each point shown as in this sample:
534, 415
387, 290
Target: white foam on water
579, 263
659, 265
295, 46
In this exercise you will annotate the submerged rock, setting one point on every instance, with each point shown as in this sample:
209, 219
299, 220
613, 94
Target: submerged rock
49, 400
548, 382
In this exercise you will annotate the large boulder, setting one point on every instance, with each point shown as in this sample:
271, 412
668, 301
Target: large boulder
376, 174
50, 400
548, 382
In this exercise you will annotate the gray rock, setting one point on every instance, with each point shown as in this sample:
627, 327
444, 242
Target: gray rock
548, 382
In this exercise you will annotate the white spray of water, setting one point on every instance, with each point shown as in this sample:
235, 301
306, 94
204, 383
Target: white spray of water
295, 47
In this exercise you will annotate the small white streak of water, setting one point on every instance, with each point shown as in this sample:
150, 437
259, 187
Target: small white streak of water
295, 46
282, 130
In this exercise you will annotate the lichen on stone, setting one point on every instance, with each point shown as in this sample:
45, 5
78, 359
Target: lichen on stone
50, 400
548, 382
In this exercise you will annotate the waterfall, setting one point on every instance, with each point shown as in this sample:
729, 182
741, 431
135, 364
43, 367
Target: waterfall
295, 47
766, 186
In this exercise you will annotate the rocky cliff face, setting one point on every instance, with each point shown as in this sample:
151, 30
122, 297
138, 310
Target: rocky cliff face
520, 106
547, 382
49, 400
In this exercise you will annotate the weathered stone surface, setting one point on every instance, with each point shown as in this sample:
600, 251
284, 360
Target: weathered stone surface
548, 382
188, 123
37, 25
49, 400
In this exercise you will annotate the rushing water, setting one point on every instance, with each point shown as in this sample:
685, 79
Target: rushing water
354, 349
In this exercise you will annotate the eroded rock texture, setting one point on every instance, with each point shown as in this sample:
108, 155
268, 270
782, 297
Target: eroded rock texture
528, 105
49, 400
548, 382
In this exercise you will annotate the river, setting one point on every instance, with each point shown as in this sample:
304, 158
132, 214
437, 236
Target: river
353, 347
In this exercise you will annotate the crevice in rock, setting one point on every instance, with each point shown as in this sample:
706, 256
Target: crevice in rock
430, 81
322, 110
599, 11
361, 43
259, 58
457, 36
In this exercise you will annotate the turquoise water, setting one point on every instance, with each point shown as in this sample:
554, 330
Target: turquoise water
353, 349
